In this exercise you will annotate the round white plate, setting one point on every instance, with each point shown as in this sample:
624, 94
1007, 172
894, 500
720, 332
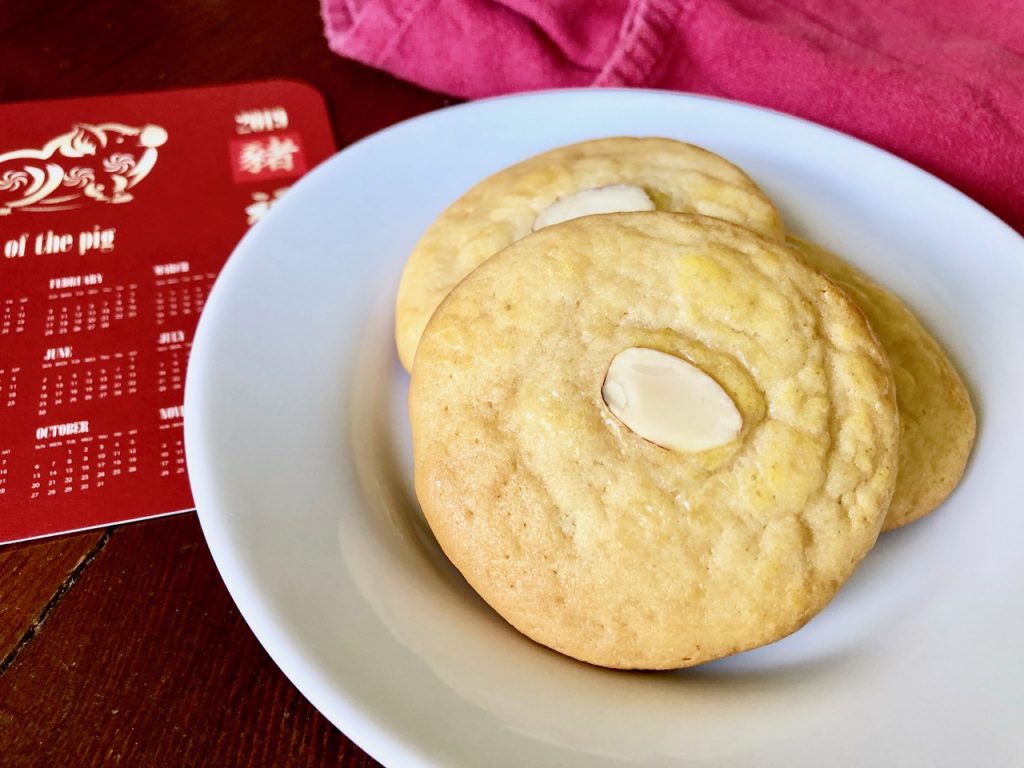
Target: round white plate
298, 451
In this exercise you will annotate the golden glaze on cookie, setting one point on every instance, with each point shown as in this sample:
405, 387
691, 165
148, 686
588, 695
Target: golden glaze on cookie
937, 422
600, 544
502, 209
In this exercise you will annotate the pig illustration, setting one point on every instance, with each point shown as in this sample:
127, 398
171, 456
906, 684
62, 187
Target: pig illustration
90, 163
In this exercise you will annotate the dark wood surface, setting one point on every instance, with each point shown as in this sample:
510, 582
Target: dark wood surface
122, 647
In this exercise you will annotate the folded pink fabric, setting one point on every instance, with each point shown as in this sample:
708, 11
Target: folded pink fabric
938, 82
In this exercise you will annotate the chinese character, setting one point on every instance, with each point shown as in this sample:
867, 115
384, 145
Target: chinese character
275, 155
261, 203
250, 159
279, 154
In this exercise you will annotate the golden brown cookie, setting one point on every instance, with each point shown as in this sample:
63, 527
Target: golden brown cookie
596, 540
612, 174
937, 422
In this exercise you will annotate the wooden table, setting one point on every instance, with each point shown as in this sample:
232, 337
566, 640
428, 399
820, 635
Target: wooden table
122, 646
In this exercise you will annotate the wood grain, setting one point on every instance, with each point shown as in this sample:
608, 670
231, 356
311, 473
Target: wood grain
141, 659
33, 576
146, 662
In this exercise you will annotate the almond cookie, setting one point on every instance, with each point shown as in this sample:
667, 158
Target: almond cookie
937, 422
600, 176
650, 440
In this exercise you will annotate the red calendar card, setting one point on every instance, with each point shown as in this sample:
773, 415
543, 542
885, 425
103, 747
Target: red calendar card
116, 215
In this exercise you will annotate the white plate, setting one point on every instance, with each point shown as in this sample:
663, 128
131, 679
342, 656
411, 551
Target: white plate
298, 451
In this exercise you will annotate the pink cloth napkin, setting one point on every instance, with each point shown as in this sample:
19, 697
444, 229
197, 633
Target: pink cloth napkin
938, 82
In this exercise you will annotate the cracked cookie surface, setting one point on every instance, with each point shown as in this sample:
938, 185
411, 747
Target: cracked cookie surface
501, 209
602, 545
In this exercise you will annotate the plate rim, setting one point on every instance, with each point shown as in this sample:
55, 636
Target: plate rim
376, 736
